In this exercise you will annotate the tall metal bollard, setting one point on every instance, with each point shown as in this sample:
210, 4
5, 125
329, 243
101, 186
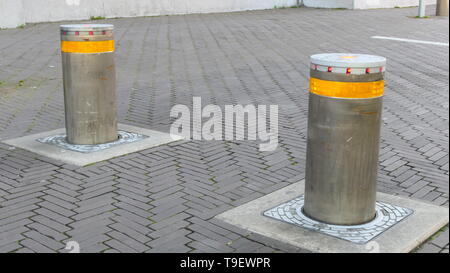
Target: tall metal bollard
442, 8
346, 93
89, 83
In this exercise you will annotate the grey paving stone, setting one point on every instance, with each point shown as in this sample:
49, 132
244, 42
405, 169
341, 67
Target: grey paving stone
44, 240
34, 246
128, 241
119, 246
12, 247
442, 239
445, 250
429, 248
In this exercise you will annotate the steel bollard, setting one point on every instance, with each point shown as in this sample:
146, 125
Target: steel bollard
442, 8
422, 8
89, 83
345, 107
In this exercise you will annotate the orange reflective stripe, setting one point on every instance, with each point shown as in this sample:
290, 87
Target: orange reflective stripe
350, 90
87, 46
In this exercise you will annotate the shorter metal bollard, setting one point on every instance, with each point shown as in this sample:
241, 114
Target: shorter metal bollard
89, 83
345, 106
422, 7
442, 8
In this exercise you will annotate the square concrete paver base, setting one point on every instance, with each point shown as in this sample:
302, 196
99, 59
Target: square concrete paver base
30, 143
405, 236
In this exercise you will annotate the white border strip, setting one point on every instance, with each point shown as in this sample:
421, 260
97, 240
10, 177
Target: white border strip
410, 40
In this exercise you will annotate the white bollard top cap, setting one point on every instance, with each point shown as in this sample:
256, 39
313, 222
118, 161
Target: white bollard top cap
86, 27
348, 60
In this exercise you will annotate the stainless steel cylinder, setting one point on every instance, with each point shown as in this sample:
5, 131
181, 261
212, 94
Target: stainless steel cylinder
422, 8
345, 107
89, 83
442, 8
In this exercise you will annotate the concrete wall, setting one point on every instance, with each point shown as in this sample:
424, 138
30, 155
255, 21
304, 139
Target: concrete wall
16, 12
346, 4
372, 4
11, 13
363, 4
82, 9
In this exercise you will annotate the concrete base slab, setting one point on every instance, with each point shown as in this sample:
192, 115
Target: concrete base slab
403, 237
30, 143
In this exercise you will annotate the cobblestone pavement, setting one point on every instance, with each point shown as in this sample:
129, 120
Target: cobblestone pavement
164, 199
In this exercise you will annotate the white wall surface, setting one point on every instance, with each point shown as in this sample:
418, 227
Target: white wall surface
347, 4
363, 4
58, 10
16, 12
11, 13
371, 4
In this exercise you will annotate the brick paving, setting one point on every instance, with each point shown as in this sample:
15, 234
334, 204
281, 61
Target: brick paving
164, 199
